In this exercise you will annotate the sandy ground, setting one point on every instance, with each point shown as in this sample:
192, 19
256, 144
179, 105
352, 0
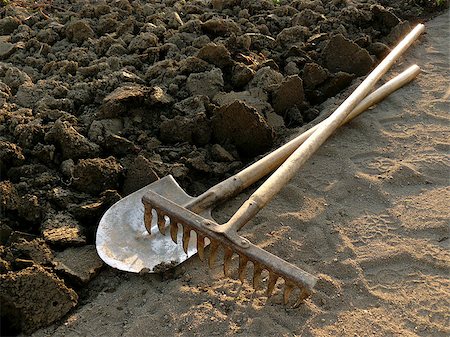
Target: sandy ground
368, 215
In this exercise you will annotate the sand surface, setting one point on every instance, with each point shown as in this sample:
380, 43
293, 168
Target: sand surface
368, 215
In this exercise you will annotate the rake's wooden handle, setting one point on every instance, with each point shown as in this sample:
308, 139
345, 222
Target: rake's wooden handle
288, 169
264, 166
248, 176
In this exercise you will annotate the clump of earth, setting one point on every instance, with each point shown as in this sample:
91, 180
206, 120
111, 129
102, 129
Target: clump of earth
100, 98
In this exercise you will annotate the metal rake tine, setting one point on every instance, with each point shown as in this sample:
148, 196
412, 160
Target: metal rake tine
240, 245
186, 237
148, 216
242, 267
174, 231
201, 246
214, 246
288, 287
227, 260
257, 270
301, 297
271, 284
161, 221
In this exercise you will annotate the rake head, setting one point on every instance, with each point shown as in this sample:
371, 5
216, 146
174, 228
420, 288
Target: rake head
174, 218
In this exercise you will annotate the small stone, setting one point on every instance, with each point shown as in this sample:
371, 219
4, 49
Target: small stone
397, 33
208, 83
139, 174
251, 135
289, 94
67, 167
31, 208
275, 120
79, 264
294, 117
341, 54
174, 20
89, 209
193, 64
44, 153
33, 298
199, 163
97, 175
48, 35
291, 68
101, 129
307, 18
9, 198
116, 49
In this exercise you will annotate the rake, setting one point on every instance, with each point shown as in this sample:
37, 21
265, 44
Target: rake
169, 209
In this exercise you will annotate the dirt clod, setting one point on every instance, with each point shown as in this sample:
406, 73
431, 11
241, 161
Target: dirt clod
10, 155
32, 298
126, 98
207, 83
139, 174
341, 54
97, 174
35, 250
79, 31
215, 54
78, 264
194, 129
242, 126
70, 142
62, 230
289, 94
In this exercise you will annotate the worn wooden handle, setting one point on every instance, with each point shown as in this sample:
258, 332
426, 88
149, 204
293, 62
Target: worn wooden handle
288, 169
265, 165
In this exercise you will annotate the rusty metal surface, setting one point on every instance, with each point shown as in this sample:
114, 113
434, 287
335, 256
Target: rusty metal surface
194, 225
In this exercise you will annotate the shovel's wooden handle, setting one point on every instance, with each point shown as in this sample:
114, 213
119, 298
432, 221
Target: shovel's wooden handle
264, 166
288, 169
248, 176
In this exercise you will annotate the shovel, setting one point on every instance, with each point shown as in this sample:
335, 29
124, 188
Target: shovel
124, 243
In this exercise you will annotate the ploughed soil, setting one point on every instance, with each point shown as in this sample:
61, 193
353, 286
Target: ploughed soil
100, 98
